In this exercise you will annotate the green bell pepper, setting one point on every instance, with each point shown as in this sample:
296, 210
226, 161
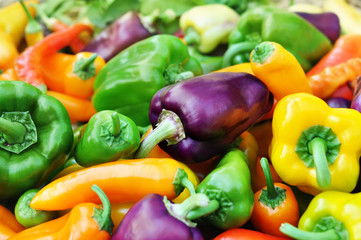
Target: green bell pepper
229, 184
27, 216
35, 137
128, 81
268, 23
108, 136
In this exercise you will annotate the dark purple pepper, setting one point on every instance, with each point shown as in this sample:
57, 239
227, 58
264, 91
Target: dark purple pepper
338, 102
356, 99
122, 33
150, 219
213, 110
328, 23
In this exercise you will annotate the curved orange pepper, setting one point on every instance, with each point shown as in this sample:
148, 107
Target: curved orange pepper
9, 226
79, 110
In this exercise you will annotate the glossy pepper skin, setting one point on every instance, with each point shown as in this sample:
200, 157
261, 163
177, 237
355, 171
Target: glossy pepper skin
8, 52
207, 26
48, 137
84, 221
139, 222
230, 185
268, 23
330, 215
128, 82
9, 226
219, 107
245, 234
302, 120
108, 136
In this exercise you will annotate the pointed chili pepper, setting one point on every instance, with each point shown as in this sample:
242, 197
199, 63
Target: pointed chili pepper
85, 221
27, 65
274, 205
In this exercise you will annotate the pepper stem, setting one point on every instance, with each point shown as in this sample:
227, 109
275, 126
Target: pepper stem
262, 52
87, 61
192, 36
181, 210
271, 191
182, 181
237, 50
102, 216
203, 211
115, 124
84, 68
299, 234
33, 26
169, 128
318, 148
13, 132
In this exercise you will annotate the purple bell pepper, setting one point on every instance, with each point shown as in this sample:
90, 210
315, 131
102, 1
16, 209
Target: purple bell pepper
201, 117
122, 33
338, 102
356, 99
155, 217
328, 23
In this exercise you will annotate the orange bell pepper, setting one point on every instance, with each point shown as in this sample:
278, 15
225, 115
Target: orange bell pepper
327, 81
79, 110
122, 181
85, 221
9, 226
73, 75
279, 70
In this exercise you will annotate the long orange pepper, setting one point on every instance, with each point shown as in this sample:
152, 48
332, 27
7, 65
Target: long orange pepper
278, 69
326, 82
28, 63
9, 226
346, 47
241, 67
79, 110
85, 221
73, 75
122, 181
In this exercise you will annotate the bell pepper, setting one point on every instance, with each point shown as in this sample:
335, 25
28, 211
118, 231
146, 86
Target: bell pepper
9, 226
313, 145
219, 107
129, 80
356, 98
8, 52
27, 216
338, 102
154, 216
118, 211
108, 136
84, 221
70, 74
274, 65
269, 23
9, 74
344, 91
274, 205
245, 234
28, 64
349, 16
125, 31
36, 135
330, 215
33, 29
16, 27
79, 110
229, 185
122, 181
346, 47
208, 26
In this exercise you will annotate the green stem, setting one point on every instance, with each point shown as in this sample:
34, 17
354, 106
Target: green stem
102, 217
85, 64
182, 181
169, 128
318, 149
200, 212
192, 36
237, 49
299, 234
271, 191
115, 124
262, 52
33, 26
14, 132
184, 76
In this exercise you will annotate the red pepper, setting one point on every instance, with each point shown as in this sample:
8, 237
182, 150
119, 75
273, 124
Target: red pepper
27, 65
245, 234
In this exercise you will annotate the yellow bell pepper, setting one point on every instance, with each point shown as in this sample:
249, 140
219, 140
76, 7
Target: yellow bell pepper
8, 51
13, 19
207, 26
315, 147
330, 215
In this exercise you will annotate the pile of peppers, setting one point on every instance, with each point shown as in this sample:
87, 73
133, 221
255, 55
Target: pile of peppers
180, 120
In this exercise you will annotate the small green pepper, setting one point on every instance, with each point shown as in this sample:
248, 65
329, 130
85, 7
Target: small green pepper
27, 216
108, 136
128, 81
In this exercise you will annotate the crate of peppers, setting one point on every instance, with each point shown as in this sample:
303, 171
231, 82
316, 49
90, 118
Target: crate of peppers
187, 119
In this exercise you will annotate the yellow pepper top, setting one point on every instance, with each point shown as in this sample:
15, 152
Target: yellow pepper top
315, 147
